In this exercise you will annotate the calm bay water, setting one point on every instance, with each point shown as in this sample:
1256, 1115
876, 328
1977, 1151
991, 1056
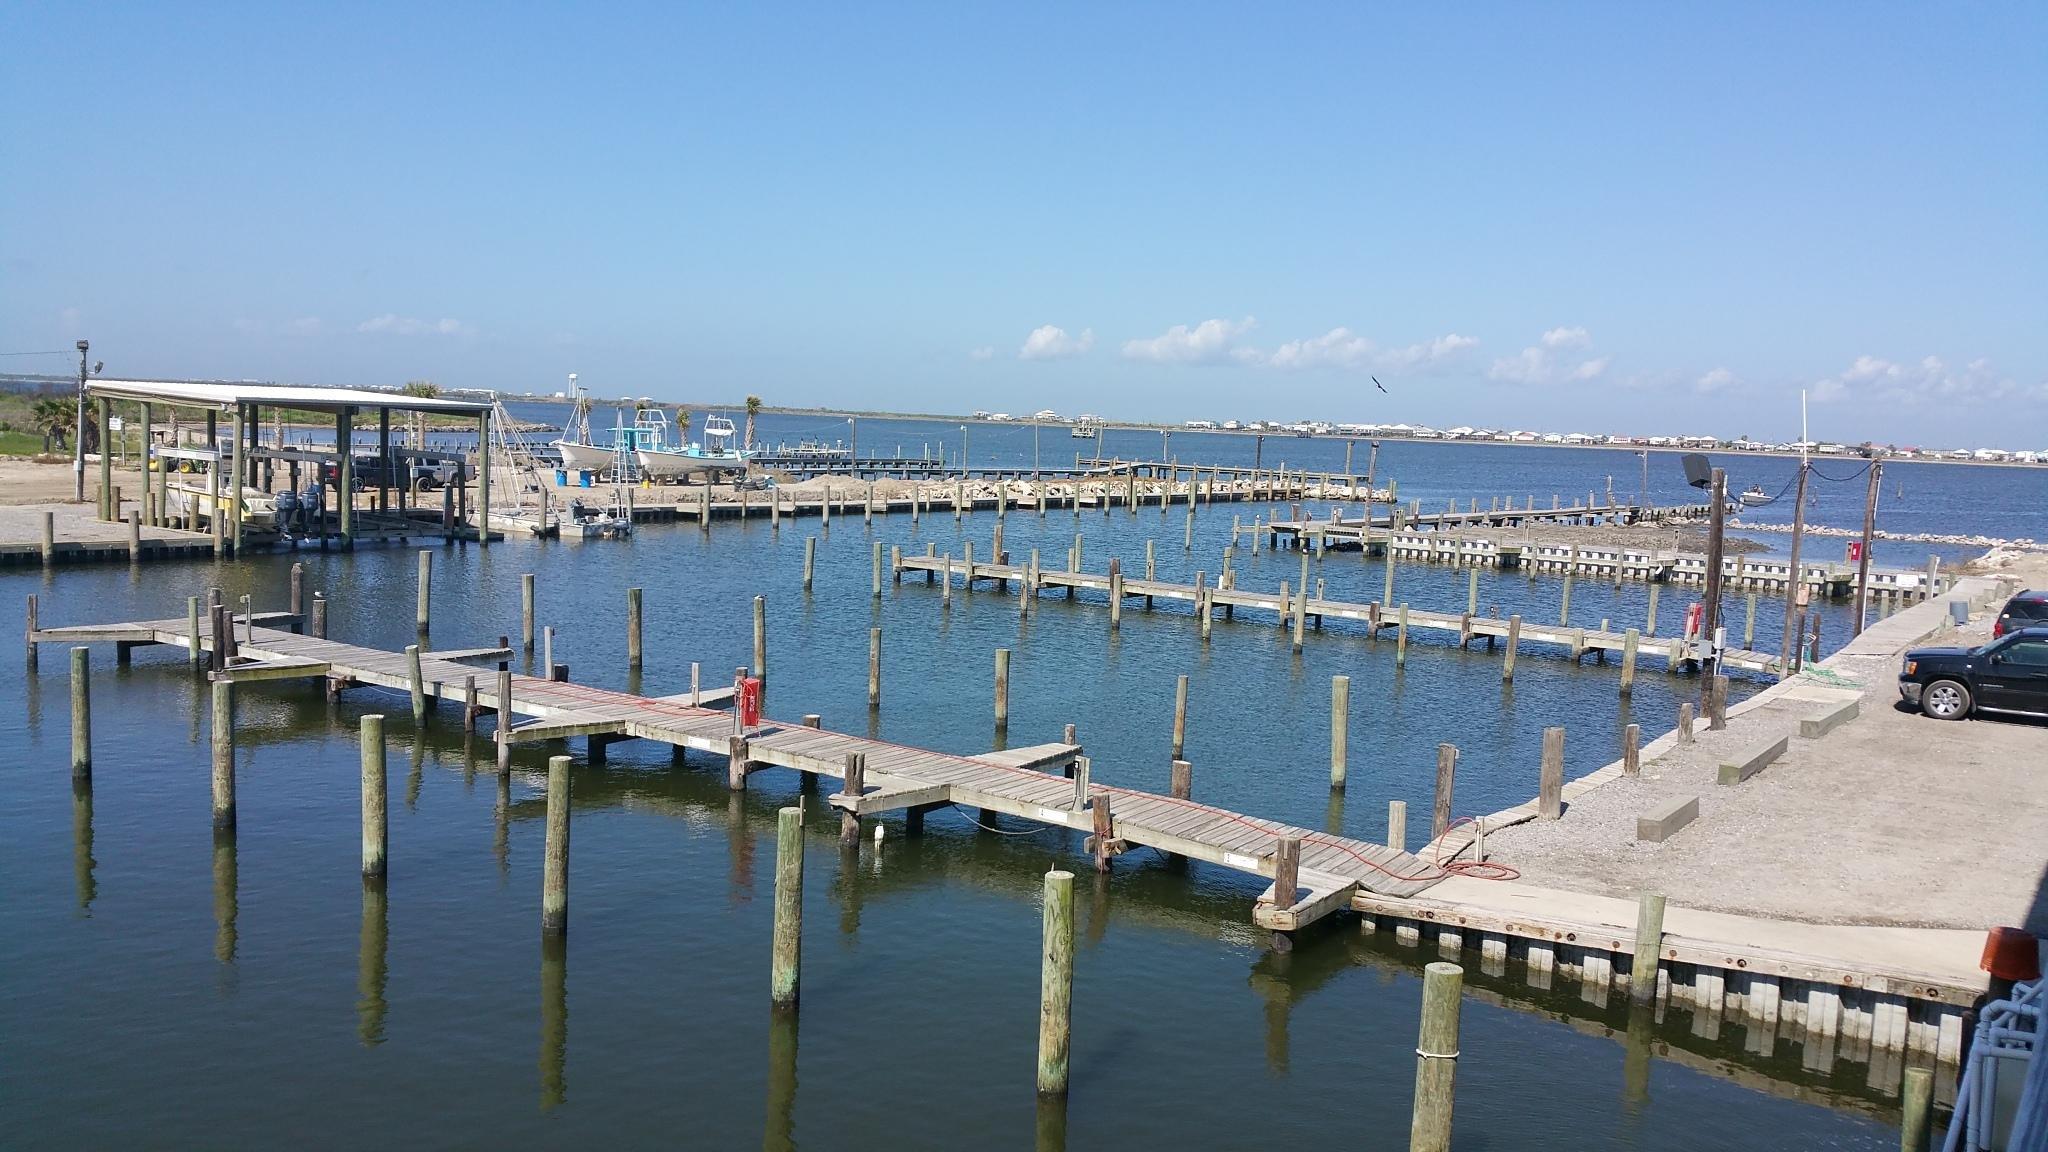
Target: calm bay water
169, 991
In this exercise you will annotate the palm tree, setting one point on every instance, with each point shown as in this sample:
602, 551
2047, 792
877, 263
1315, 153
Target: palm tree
753, 408
424, 390
683, 425
53, 416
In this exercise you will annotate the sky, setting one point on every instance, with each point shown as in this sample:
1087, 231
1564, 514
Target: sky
1600, 218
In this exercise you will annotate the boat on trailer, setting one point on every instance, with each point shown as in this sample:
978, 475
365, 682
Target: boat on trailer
578, 453
661, 458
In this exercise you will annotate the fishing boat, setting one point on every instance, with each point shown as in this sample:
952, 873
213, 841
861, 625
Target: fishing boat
1755, 497
1084, 428
192, 491
661, 458
578, 453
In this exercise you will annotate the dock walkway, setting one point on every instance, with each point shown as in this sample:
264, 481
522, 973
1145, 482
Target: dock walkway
1019, 782
1287, 603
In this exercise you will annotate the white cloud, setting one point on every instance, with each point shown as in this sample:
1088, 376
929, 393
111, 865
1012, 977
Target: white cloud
307, 326
1209, 342
985, 352
1051, 342
395, 325
1715, 381
1556, 355
1891, 382
1342, 348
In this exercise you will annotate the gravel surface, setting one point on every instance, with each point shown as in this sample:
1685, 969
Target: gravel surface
1893, 818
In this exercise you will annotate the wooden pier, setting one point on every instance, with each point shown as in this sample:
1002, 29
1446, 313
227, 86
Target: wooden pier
1288, 603
1329, 872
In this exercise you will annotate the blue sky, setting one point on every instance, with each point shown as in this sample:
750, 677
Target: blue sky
1605, 218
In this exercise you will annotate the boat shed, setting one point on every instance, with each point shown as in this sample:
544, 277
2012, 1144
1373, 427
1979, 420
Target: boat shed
253, 464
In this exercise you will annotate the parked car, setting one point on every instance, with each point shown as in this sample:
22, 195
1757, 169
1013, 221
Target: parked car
2010, 674
2028, 609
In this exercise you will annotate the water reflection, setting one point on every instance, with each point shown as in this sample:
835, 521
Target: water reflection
739, 839
1635, 1060
34, 687
1051, 1126
81, 843
501, 833
779, 1135
554, 1020
1333, 813
372, 963
418, 776
226, 881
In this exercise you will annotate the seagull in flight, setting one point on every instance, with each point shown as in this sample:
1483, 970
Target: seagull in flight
1382, 387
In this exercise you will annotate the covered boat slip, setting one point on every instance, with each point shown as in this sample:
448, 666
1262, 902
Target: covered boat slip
238, 462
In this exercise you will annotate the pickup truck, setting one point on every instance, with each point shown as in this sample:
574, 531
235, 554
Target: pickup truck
2010, 674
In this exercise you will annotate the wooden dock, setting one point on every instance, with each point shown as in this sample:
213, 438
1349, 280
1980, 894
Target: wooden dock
1024, 783
1287, 603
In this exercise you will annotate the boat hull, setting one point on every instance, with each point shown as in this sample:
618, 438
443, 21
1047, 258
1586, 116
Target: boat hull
584, 457
668, 465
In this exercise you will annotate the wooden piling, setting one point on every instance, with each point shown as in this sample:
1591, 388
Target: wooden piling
1915, 1117
376, 825
1436, 1058
1717, 703
851, 787
1507, 667
785, 953
49, 538
1650, 622
1002, 689
223, 756
469, 705
874, 667
1181, 782
1642, 979
1397, 825
81, 714
526, 610
505, 718
1550, 783
1105, 826
416, 683
1632, 750
1116, 595
1180, 715
1056, 984
760, 640
810, 559
1564, 605
422, 616
28, 632
319, 616
1446, 780
633, 627
1340, 730
1472, 592
878, 571
1685, 723
554, 886
1286, 871
1401, 637
1629, 640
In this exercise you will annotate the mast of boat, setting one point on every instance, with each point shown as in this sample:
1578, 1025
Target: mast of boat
1795, 609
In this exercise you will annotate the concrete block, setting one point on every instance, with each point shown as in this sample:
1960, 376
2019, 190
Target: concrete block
1752, 762
1826, 720
1658, 824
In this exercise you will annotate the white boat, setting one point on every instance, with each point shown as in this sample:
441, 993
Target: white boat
191, 491
578, 453
661, 459
1755, 497
1084, 430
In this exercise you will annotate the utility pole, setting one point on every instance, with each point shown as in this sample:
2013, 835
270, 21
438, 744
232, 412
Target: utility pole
1643, 492
1792, 613
1710, 620
78, 430
1863, 554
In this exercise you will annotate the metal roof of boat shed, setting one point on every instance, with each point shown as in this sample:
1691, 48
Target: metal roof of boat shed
228, 395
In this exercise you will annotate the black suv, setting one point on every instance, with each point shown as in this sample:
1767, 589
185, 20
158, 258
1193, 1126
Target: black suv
2028, 609
2010, 674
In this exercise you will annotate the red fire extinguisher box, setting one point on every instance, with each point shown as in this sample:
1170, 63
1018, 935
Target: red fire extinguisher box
750, 701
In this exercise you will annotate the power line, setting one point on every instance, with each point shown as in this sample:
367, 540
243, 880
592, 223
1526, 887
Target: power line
59, 352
